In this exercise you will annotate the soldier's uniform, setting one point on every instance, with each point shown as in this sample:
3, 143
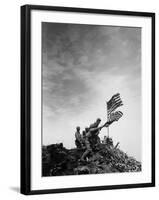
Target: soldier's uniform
92, 138
78, 144
83, 138
78, 140
87, 145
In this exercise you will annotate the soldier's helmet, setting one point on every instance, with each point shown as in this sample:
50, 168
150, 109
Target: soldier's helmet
98, 120
77, 128
86, 129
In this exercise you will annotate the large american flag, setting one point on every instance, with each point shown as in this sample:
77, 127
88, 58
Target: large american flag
112, 105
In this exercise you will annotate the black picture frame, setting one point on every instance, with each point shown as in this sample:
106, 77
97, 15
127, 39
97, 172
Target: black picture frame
26, 98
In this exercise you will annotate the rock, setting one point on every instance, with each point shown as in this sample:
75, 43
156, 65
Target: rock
59, 161
82, 170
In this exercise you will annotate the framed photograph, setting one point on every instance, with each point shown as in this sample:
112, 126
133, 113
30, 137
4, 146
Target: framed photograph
87, 99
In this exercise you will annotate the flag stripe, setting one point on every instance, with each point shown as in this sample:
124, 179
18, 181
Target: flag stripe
114, 100
115, 116
114, 104
117, 97
114, 107
114, 97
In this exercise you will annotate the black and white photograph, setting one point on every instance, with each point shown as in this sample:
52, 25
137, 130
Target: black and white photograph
87, 99
91, 99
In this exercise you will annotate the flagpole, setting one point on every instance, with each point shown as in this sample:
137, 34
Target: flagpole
107, 120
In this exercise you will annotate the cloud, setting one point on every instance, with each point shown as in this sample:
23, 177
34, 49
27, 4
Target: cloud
75, 57
83, 66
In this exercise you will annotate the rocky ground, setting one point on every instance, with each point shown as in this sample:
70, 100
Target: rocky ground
59, 161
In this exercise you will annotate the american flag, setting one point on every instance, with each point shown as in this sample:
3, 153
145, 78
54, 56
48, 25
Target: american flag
114, 103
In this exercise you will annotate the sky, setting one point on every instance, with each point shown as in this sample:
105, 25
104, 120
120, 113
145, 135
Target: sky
82, 67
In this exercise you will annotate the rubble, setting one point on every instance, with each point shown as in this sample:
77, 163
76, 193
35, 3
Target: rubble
106, 158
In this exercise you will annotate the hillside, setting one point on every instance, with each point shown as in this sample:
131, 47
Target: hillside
59, 161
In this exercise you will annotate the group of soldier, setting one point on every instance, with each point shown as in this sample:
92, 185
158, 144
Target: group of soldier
89, 138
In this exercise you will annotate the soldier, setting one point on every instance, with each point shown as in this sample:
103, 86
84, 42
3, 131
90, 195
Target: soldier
86, 129
91, 137
83, 138
83, 134
88, 149
95, 139
78, 137
95, 124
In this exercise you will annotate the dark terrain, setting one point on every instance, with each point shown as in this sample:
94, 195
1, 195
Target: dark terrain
105, 158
